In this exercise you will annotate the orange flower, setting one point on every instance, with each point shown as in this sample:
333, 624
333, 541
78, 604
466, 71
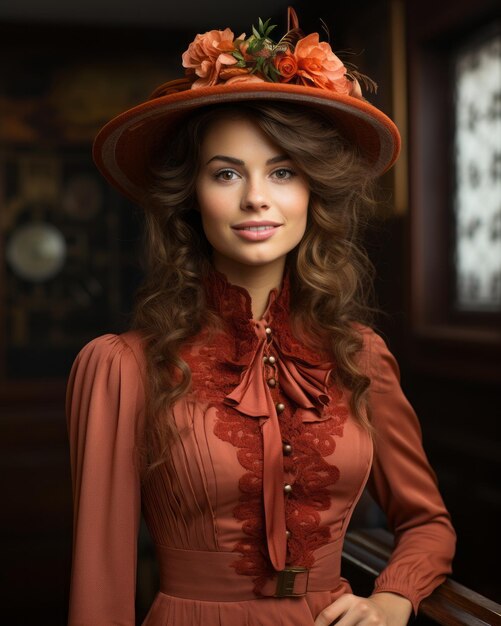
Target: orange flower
238, 75
243, 46
230, 72
244, 78
286, 64
231, 75
319, 66
207, 54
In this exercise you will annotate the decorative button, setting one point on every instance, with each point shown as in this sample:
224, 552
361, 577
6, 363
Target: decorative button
288, 534
287, 488
280, 406
271, 360
267, 330
265, 359
287, 449
271, 382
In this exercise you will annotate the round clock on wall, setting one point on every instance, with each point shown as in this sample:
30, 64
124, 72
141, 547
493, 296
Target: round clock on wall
36, 252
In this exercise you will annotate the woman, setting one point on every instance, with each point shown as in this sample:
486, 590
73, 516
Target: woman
251, 404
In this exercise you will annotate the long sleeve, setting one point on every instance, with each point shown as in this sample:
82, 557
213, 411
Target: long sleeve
405, 486
104, 401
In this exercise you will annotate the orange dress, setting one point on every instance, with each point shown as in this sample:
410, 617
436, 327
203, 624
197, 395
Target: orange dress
263, 475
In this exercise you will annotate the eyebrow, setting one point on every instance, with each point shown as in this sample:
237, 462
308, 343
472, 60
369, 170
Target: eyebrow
234, 161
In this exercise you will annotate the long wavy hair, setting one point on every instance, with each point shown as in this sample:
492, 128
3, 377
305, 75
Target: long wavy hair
330, 273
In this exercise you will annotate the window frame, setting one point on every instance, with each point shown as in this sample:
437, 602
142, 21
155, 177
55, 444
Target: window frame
440, 339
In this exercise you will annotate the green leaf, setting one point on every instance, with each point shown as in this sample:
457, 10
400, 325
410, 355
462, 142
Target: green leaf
268, 30
274, 71
256, 33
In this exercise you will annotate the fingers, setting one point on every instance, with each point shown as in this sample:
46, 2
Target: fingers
334, 610
351, 610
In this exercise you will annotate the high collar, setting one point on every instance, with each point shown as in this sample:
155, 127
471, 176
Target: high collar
234, 303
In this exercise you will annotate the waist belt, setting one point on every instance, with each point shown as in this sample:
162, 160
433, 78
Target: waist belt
207, 575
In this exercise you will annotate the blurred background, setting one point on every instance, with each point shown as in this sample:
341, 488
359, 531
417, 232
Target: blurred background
70, 260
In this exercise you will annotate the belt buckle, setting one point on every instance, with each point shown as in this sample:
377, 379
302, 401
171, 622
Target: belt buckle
286, 579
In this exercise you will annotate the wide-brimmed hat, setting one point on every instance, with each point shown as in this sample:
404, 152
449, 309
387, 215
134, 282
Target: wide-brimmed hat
221, 68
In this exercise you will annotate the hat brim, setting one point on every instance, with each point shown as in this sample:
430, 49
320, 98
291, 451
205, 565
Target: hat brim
123, 148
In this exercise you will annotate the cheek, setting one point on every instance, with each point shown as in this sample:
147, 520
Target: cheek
302, 215
302, 225
211, 208
210, 225
299, 208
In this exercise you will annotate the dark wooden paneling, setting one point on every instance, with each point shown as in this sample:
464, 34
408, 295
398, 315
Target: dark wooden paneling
36, 515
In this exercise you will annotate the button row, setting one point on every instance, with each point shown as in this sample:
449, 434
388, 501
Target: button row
280, 407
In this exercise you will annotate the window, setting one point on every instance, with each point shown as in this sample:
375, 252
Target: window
477, 168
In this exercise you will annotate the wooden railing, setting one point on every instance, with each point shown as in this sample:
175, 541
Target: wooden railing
366, 553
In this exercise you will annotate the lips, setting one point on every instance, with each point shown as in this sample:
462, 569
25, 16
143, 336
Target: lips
256, 228
255, 225
256, 231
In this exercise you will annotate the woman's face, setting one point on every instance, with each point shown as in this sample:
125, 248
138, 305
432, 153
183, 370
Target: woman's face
252, 199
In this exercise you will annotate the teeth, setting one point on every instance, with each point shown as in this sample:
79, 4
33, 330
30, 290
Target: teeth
257, 229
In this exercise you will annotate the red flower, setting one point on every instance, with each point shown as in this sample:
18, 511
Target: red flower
286, 64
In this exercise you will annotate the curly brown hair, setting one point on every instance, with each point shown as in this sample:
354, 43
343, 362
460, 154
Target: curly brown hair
330, 273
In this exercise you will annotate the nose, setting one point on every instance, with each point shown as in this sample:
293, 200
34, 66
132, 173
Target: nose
254, 196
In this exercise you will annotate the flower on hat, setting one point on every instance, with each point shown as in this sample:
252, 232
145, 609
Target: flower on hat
208, 54
234, 75
217, 57
318, 65
286, 65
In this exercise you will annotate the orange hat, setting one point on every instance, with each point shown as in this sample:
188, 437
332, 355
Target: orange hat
221, 68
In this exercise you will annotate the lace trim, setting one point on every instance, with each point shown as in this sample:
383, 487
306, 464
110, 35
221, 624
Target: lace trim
289, 342
312, 477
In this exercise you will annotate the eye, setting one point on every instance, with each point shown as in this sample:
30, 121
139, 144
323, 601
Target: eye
225, 175
284, 173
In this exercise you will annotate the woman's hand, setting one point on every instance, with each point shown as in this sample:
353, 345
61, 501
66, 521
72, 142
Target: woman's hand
381, 609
